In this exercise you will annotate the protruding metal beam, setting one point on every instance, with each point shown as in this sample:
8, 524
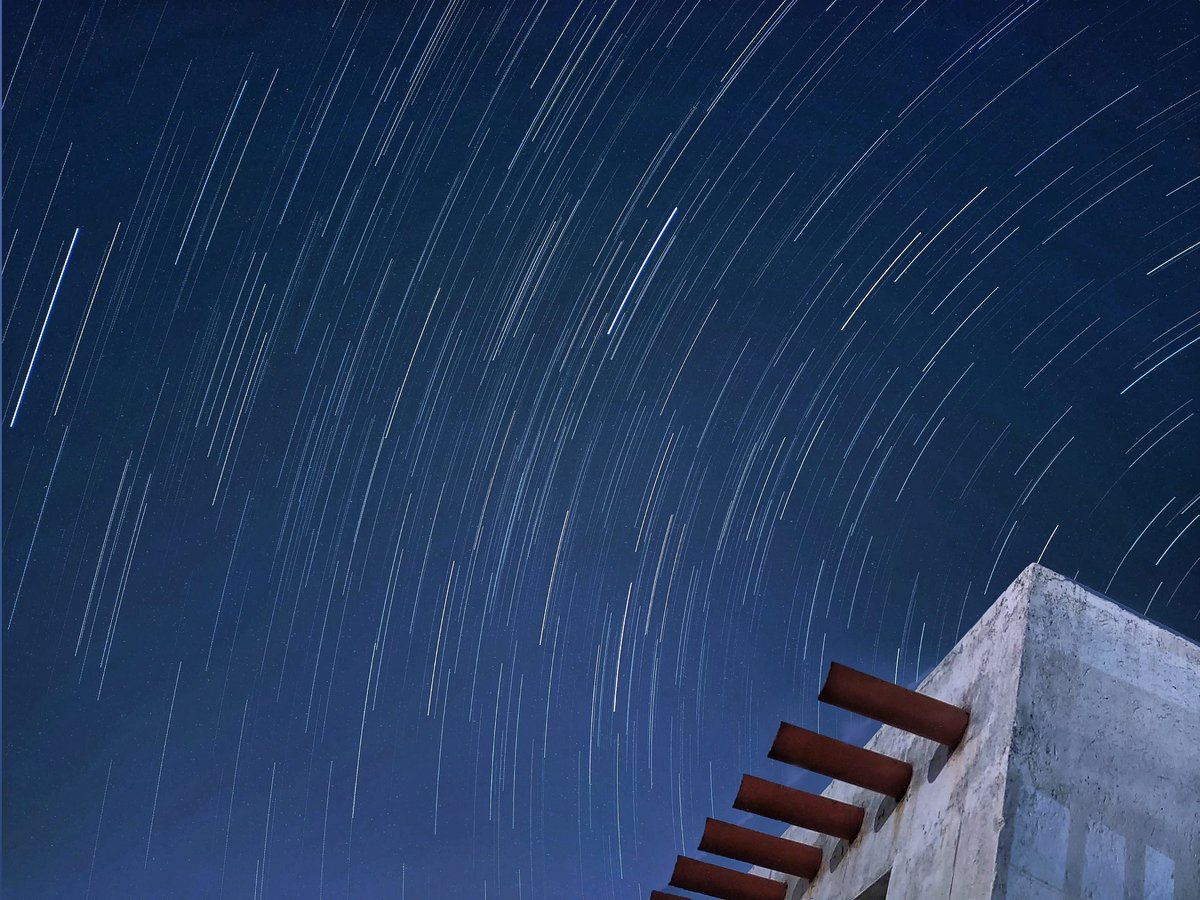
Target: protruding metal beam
841, 761
756, 848
800, 808
726, 884
893, 705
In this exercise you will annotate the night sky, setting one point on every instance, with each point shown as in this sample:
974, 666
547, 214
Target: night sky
442, 442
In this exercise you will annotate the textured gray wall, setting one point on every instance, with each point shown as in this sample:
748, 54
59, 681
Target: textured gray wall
1079, 776
1104, 774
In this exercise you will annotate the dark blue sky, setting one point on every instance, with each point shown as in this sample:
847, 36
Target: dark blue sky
442, 442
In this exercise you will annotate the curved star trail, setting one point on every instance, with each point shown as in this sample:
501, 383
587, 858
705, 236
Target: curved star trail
442, 441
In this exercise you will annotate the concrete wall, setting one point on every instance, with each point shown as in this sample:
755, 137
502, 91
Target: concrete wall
1103, 798
1079, 775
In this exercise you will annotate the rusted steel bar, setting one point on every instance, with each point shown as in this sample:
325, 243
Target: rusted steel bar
756, 848
893, 705
841, 761
800, 808
726, 884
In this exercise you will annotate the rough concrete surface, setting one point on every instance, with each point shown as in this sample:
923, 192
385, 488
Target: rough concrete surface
1078, 777
1103, 797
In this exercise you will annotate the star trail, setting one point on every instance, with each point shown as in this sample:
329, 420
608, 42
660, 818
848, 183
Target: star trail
442, 440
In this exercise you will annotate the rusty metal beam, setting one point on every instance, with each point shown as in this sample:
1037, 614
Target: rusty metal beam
800, 808
893, 705
756, 848
726, 884
841, 761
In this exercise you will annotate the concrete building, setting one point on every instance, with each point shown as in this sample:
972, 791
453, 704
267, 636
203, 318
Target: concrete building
1078, 774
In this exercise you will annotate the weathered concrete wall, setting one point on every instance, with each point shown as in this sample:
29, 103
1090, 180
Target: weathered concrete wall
1079, 776
1103, 798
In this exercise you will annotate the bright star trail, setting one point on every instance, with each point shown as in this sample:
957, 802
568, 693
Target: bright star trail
442, 441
